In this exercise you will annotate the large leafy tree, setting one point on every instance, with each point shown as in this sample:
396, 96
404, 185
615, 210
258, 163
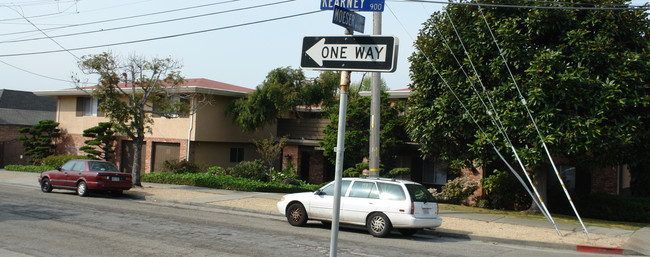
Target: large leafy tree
128, 91
39, 140
583, 73
357, 132
282, 91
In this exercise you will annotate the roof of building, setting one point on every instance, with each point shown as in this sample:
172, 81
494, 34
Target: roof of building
392, 94
25, 108
200, 85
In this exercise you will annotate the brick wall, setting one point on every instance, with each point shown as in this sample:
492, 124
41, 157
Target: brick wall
11, 149
604, 180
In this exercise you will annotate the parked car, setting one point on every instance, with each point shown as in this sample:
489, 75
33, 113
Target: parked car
376, 203
84, 176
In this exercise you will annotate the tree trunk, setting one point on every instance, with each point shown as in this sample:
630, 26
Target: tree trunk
137, 160
540, 180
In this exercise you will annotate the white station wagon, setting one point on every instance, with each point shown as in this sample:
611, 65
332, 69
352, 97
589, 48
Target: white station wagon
377, 203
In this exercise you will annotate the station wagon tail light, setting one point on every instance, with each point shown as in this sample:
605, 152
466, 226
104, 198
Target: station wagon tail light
437, 209
412, 208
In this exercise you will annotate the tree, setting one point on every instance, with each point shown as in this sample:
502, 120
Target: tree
129, 90
101, 145
365, 85
357, 132
584, 75
282, 91
269, 149
39, 140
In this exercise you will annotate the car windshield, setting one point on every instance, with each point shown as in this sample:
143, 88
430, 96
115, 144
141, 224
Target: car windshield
419, 193
102, 166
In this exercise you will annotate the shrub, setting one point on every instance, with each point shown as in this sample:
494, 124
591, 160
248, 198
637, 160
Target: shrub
614, 207
456, 190
249, 169
28, 168
226, 182
400, 173
281, 175
59, 160
184, 166
505, 192
357, 170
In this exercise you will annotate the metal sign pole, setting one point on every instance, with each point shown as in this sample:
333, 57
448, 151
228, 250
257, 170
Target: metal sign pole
340, 149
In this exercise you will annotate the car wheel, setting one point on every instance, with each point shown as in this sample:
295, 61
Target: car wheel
378, 225
82, 188
296, 214
46, 186
408, 231
116, 193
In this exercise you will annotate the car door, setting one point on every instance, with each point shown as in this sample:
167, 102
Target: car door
320, 206
58, 178
73, 176
362, 199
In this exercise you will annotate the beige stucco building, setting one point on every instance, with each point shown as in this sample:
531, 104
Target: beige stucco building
206, 137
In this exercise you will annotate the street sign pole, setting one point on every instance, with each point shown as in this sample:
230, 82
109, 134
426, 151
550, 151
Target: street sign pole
375, 108
340, 149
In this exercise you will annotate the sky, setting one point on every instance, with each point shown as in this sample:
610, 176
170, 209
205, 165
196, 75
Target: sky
235, 42
230, 52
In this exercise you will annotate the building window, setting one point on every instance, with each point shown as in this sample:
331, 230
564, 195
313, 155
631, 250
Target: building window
434, 173
159, 111
87, 106
236, 154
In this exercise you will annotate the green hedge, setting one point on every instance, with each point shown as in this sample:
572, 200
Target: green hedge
614, 207
28, 168
225, 182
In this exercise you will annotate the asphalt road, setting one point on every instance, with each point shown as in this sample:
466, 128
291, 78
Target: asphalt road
64, 224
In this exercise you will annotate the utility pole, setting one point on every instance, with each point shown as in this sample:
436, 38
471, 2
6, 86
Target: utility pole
375, 107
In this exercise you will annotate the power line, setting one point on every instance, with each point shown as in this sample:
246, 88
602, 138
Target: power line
124, 18
624, 8
166, 37
34, 73
148, 23
57, 43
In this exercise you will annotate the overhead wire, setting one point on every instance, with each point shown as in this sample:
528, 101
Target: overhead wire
166, 37
149, 23
624, 8
126, 18
57, 43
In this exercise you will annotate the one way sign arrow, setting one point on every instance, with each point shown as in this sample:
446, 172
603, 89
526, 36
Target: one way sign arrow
353, 53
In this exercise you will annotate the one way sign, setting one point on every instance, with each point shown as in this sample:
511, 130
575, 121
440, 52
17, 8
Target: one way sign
352, 53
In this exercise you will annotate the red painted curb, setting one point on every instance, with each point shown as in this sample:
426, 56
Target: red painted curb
598, 249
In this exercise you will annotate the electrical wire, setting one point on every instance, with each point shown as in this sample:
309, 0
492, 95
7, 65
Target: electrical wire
125, 18
168, 36
627, 8
34, 73
148, 23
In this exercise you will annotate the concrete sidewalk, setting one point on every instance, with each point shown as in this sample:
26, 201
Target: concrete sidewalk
459, 225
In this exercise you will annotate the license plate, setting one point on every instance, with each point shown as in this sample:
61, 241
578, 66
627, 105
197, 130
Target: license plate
425, 211
115, 178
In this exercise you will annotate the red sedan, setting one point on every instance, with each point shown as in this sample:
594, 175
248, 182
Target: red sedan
84, 176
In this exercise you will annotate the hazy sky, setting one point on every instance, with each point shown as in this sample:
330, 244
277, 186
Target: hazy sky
231, 52
234, 48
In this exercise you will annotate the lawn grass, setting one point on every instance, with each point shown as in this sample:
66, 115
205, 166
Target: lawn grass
559, 218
